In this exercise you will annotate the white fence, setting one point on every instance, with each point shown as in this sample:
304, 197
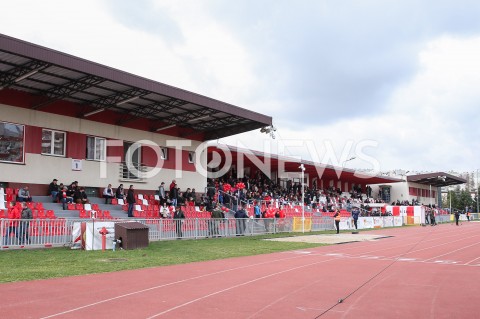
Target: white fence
39, 233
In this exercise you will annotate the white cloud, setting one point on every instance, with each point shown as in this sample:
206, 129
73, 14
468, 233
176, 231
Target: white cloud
428, 116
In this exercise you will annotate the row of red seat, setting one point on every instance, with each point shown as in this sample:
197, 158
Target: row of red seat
72, 206
36, 214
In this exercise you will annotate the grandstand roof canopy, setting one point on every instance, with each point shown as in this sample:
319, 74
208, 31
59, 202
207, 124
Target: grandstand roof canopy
291, 165
42, 78
437, 179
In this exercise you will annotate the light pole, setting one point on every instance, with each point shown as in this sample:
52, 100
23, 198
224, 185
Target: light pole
430, 194
477, 192
302, 168
348, 160
450, 197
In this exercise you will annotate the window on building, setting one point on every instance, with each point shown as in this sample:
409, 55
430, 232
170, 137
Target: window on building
163, 153
96, 148
53, 142
191, 157
12, 137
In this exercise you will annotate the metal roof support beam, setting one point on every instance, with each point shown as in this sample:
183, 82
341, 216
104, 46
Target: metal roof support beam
152, 109
112, 100
191, 116
21, 72
68, 89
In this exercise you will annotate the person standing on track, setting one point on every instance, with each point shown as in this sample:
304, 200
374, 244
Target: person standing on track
355, 214
432, 217
337, 218
457, 216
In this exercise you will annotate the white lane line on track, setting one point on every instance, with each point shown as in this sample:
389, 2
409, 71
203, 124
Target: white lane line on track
471, 261
443, 244
357, 247
232, 269
236, 286
168, 284
450, 252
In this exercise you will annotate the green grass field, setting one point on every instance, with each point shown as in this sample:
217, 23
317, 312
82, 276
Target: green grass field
23, 265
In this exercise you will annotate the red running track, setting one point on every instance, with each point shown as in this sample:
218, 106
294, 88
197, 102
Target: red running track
422, 272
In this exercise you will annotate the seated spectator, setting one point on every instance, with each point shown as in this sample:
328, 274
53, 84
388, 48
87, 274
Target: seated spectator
64, 198
53, 189
108, 193
181, 198
72, 189
165, 212
24, 195
80, 197
187, 195
193, 195
120, 193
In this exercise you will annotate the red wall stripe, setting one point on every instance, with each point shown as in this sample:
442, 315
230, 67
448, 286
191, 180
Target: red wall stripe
76, 145
33, 139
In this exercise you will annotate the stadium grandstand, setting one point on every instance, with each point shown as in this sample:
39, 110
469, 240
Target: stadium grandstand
82, 125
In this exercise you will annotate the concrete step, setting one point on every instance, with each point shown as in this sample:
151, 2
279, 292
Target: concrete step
42, 199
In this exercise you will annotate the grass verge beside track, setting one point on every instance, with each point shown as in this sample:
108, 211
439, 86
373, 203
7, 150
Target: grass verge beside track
23, 265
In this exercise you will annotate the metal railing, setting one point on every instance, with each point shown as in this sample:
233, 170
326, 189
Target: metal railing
39, 233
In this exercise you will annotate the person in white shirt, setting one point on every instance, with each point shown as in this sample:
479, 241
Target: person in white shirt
108, 193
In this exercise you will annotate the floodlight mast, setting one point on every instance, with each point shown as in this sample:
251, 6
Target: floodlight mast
302, 168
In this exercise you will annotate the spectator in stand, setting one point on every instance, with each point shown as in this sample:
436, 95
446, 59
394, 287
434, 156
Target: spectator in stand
220, 193
161, 194
164, 211
174, 195
130, 201
24, 195
181, 198
108, 193
11, 227
173, 184
240, 220
227, 199
53, 190
13, 216
193, 194
26, 215
337, 219
187, 195
179, 216
80, 197
120, 192
64, 198
73, 187
256, 210
211, 191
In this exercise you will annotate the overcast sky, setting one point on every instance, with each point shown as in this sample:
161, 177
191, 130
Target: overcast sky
395, 84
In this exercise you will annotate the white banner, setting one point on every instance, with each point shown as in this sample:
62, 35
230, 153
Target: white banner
388, 221
377, 222
95, 240
397, 221
365, 222
346, 223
